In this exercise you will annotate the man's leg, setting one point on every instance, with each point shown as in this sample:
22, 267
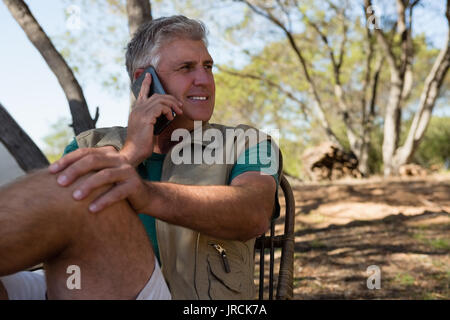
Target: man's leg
40, 221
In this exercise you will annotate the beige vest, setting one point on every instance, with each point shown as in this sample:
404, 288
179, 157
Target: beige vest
192, 267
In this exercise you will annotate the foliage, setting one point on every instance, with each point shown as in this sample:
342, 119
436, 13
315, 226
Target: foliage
435, 147
59, 137
94, 41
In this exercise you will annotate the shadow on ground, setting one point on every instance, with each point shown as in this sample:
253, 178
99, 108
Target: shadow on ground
411, 249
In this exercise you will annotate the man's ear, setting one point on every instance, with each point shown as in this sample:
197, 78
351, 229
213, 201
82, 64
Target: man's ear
137, 73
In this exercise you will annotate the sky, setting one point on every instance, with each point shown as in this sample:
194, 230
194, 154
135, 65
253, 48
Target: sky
31, 93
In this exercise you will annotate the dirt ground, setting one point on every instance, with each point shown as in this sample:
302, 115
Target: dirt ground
399, 225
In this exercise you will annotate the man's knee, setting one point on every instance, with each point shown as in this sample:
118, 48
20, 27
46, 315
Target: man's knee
60, 199
35, 206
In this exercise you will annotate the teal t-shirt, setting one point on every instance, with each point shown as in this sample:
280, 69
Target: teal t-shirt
254, 159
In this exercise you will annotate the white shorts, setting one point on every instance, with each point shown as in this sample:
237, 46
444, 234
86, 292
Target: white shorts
30, 285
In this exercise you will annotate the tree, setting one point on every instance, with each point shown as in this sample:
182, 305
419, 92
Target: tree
355, 104
332, 24
400, 55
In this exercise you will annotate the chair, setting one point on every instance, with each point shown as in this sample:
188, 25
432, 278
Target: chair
286, 243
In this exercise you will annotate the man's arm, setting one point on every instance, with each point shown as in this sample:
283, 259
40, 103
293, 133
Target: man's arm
240, 211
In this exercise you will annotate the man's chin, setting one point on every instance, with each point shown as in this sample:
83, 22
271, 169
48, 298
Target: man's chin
200, 117
187, 120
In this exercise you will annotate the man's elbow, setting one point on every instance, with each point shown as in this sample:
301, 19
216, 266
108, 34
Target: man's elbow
263, 227
259, 226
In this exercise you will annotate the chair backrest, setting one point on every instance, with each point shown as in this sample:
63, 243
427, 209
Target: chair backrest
286, 243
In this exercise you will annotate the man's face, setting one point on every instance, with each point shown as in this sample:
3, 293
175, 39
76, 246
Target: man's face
185, 70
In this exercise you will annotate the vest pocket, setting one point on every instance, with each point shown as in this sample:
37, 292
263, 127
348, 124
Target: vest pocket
222, 284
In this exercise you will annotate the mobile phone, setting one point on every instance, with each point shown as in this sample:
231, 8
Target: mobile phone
156, 87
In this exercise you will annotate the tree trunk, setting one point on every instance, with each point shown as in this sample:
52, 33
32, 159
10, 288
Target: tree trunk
392, 121
19, 144
395, 157
428, 98
82, 120
360, 148
138, 11
363, 159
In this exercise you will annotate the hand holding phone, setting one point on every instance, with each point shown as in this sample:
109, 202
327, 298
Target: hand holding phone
155, 87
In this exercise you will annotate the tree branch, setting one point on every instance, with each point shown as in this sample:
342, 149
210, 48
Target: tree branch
381, 37
268, 82
312, 87
74, 94
338, 90
19, 144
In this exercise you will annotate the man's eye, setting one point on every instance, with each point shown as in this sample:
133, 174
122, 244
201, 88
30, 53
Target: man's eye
208, 66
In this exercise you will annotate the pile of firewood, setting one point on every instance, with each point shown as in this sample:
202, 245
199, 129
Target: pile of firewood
328, 162
412, 170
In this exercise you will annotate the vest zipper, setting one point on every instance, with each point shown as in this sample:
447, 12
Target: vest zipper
223, 253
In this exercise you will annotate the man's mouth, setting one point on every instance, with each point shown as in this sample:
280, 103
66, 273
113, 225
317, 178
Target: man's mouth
198, 98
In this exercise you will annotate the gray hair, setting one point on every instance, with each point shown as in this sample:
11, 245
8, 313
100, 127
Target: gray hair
142, 50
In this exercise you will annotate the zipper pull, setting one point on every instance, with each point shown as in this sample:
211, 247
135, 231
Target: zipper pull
223, 254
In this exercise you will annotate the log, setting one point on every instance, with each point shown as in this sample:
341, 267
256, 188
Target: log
329, 162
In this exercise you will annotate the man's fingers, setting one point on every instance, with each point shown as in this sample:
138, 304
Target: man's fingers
167, 99
171, 103
168, 112
99, 179
90, 162
115, 194
67, 160
74, 156
155, 113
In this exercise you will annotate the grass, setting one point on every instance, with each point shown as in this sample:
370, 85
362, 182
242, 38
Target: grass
404, 279
438, 243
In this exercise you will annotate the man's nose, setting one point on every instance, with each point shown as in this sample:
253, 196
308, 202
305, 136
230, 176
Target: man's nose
202, 76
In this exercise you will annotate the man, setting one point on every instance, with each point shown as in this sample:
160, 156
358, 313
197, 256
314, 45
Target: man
202, 219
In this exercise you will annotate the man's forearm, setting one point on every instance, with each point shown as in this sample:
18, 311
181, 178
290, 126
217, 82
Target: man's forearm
227, 212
